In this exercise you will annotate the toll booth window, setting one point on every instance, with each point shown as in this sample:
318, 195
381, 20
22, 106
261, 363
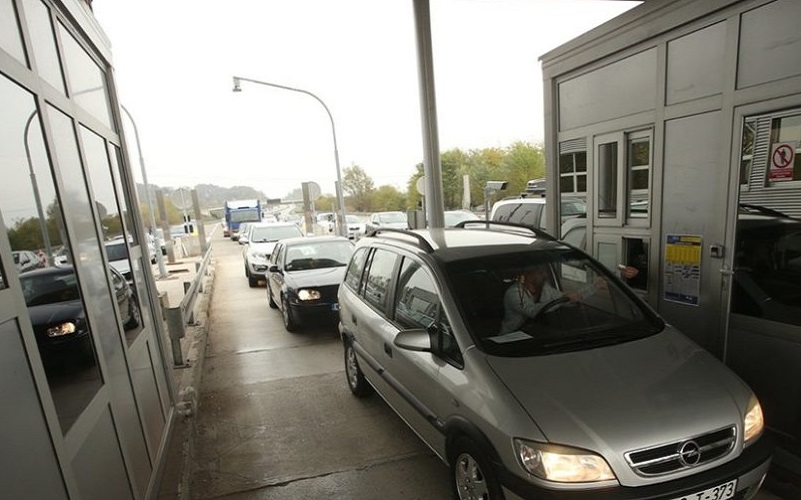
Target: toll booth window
607, 180
43, 44
767, 266
116, 242
784, 163
636, 257
639, 174
573, 173
35, 227
87, 82
10, 37
749, 135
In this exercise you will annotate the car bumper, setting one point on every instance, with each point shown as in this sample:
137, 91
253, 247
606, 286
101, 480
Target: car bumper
749, 469
258, 269
315, 312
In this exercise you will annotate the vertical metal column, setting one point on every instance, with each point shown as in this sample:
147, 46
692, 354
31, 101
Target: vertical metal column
428, 113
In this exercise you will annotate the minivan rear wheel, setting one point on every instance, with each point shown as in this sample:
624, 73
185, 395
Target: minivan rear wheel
356, 381
472, 478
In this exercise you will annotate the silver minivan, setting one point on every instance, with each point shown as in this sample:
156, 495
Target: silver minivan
534, 372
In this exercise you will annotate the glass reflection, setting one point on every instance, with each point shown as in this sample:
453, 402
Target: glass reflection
43, 43
34, 223
115, 243
767, 278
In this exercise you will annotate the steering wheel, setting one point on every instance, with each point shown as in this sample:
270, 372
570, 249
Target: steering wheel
549, 306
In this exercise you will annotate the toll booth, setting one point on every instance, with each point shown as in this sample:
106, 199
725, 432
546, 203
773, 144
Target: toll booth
87, 400
679, 122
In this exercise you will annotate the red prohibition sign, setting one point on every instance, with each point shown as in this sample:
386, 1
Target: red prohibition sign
783, 156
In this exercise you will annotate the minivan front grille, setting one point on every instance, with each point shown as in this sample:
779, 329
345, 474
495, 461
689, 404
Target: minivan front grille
680, 455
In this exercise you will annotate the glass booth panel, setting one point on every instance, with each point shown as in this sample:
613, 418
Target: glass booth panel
115, 243
87, 82
10, 37
34, 220
43, 43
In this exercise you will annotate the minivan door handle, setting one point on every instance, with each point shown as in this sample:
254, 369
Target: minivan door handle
353, 317
387, 349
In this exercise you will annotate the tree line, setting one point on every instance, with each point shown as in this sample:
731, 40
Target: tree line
516, 164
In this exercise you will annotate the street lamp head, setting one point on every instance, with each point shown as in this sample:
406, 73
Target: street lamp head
237, 85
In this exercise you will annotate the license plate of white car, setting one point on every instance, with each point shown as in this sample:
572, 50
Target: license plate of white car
720, 492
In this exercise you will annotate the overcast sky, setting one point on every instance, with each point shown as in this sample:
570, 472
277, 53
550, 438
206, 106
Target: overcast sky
174, 61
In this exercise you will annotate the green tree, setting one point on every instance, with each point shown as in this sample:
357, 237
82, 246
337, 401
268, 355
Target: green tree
454, 165
326, 203
359, 187
387, 198
523, 162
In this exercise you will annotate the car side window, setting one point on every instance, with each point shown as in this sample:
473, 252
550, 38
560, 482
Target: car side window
354, 273
379, 278
417, 303
418, 306
278, 252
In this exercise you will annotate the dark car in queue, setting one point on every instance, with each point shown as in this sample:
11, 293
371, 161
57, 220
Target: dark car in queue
57, 313
304, 276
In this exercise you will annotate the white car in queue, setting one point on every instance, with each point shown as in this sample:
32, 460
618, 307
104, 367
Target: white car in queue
260, 240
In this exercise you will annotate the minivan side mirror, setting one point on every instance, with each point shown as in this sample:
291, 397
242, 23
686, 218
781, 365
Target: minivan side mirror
273, 268
243, 240
416, 339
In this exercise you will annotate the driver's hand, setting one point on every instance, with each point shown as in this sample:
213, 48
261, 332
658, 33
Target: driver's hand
601, 283
573, 296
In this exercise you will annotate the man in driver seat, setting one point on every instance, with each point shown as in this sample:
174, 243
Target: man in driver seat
532, 291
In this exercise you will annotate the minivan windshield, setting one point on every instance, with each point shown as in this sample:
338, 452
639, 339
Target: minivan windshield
543, 302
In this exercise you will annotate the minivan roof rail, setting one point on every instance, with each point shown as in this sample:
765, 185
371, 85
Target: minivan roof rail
539, 233
421, 240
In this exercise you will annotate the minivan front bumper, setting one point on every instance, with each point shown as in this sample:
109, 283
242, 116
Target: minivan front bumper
749, 469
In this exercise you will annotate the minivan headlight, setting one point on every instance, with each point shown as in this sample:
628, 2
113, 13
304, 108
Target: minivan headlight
753, 422
562, 464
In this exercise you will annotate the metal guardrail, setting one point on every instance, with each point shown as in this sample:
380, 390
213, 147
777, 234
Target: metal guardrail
184, 313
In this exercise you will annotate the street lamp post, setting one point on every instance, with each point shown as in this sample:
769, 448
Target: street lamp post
340, 199
157, 241
37, 197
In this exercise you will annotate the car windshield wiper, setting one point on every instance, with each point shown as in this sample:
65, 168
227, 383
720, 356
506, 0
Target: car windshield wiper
591, 341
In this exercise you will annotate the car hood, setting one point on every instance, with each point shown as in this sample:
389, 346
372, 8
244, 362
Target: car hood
264, 247
394, 225
122, 266
48, 314
628, 396
326, 276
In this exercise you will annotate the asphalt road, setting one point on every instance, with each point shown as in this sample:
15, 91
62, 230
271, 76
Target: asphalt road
276, 419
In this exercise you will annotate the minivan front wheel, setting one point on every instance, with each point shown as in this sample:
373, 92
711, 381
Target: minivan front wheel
472, 478
356, 381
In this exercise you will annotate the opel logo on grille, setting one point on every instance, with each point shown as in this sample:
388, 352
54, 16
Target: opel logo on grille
689, 454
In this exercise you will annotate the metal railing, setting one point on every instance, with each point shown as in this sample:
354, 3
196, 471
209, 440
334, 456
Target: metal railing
184, 313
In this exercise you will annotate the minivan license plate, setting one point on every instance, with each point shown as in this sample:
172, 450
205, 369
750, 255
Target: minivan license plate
721, 492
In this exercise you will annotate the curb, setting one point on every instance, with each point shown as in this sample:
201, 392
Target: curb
176, 483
